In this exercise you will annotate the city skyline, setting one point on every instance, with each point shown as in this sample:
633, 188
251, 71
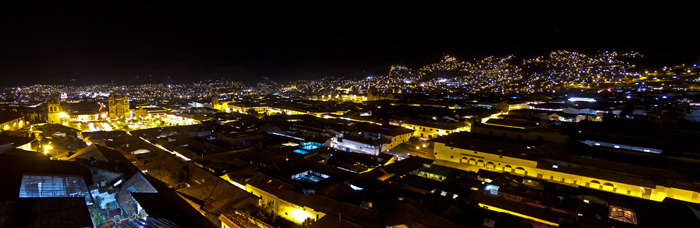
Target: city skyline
121, 115
93, 42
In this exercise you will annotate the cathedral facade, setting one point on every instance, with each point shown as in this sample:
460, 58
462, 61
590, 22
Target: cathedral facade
118, 107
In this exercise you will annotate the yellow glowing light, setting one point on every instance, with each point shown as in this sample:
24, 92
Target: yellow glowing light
299, 215
63, 115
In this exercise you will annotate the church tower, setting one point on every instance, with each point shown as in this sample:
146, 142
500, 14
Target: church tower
118, 106
54, 109
215, 102
372, 94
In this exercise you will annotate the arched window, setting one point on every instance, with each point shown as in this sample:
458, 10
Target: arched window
520, 170
490, 165
472, 161
480, 163
594, 184
608, 187
508, 168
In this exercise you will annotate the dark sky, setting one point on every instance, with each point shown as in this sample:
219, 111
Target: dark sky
100, 42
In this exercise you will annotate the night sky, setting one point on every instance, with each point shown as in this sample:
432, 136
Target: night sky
104, 42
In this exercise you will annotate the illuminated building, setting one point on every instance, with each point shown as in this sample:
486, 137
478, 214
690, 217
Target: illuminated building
428, 130
219, 104
243, 107
215, 102
11, 122
543, 160
374, 95
118, 107
54, 109
372, 139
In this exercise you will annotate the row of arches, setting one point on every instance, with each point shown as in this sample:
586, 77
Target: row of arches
491, 165
605, 186
595, 184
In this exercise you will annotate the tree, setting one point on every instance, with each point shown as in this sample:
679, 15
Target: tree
414, 140
306, 223
251, 112
96, 211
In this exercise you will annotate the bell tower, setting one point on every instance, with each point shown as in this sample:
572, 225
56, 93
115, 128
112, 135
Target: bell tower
54, 109
215, 102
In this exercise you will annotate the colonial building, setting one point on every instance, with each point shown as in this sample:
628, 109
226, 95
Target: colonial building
544, 160
372, 139
118, 107
54, 110
242, 107
374, 95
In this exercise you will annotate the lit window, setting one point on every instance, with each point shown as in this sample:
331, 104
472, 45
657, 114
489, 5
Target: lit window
623, 214
493, 189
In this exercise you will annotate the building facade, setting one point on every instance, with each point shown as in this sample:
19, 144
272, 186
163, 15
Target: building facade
528, 161
118, 107
54, 110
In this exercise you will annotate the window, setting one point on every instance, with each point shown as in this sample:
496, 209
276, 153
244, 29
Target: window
623, 214
608, 187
